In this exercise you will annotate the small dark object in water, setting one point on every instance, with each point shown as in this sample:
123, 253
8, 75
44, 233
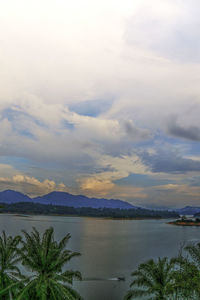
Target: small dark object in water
121, 278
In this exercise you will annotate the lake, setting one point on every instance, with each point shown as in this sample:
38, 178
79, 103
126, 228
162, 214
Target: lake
109, 248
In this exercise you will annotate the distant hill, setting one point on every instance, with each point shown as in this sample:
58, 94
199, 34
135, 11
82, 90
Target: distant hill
61, 203
188, 210
10, 196
64, 199
78, 201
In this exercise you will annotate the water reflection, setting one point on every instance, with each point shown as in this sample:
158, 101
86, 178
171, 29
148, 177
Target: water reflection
109, 248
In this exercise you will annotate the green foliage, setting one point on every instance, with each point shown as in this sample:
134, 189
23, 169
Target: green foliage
45, 258
164, 279
10, 274
185, 278
189, 272
153, 279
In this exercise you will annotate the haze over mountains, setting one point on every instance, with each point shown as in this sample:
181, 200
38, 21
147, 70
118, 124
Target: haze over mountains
188, 210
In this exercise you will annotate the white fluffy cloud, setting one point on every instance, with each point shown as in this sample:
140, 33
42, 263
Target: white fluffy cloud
30, 185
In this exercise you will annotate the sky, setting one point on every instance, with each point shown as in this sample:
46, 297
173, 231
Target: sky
101, 98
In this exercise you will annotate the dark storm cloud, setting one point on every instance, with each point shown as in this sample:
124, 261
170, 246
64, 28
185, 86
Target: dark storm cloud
134, 132
191, 133
169, 162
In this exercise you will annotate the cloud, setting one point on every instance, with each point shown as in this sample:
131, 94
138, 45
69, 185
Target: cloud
115, 168
7, 170
191, 133
181, 189
30, 185
97, 187
169, 28
169, 162
86, 86
31, 129
135, 132
175, 195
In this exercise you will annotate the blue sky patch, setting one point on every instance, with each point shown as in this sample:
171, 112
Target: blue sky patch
141, 180
92, 108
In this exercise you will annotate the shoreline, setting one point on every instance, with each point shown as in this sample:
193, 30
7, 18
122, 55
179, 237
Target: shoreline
27, 215
181, 223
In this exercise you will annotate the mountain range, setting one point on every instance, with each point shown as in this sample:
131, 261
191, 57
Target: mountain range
77, 201
64, 199
188, 210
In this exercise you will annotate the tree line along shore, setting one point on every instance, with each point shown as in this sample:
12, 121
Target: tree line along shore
45, 209
183, 221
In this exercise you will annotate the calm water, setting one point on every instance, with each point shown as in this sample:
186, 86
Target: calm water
110, 248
